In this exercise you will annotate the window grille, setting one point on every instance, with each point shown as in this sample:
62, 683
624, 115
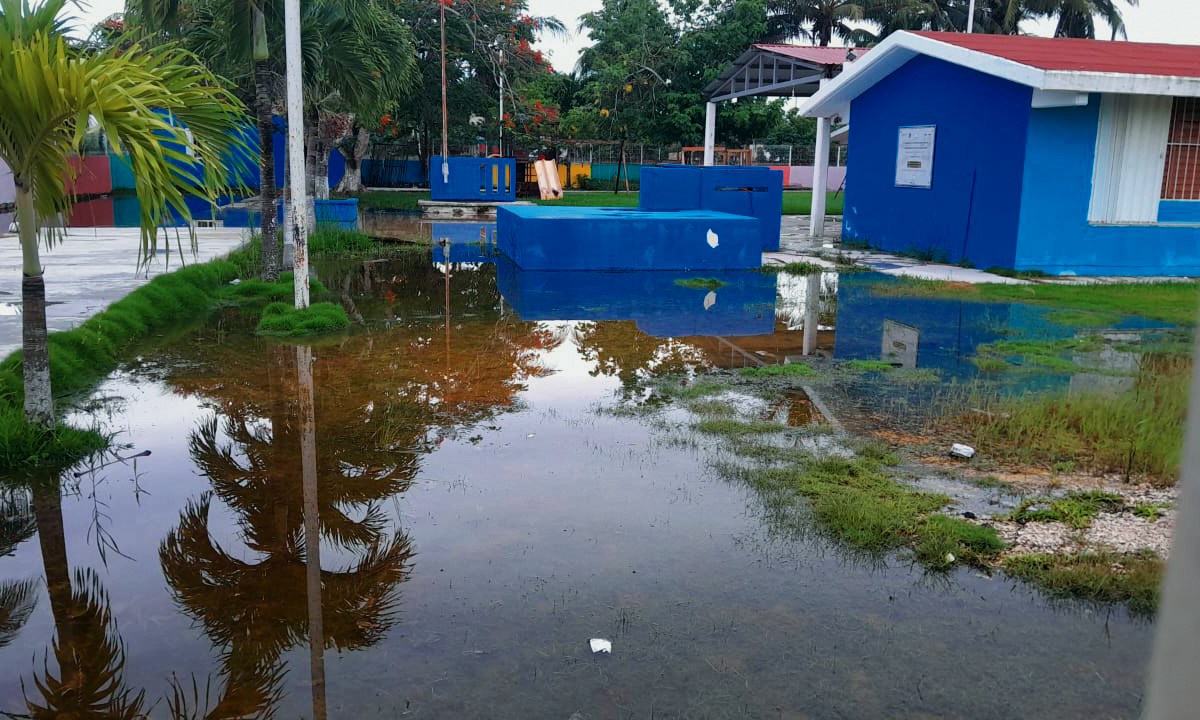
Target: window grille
1181, 174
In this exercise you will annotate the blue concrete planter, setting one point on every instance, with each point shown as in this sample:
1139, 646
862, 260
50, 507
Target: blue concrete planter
337, 213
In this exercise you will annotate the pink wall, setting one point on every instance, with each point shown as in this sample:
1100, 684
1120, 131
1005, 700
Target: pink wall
801, 176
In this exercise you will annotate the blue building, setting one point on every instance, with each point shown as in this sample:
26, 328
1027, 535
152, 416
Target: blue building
1066, 156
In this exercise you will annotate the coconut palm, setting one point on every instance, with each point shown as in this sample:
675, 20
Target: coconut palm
140, 98
1077, 18
818, 20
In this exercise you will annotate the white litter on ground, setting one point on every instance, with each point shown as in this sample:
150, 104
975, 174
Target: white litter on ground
600, 645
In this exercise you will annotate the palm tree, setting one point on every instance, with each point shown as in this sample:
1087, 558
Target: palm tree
1077, 18
818, 20
137, 97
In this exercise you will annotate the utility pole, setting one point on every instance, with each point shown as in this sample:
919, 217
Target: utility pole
445, 114
298, 190
971, 16
500, 74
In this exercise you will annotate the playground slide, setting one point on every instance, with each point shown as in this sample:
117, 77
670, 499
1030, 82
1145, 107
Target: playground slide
548, 182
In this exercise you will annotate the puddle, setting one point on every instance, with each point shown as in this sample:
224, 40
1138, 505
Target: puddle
429, 518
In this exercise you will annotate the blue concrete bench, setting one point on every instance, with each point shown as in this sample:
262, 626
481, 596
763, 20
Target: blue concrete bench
753, 191
745, 305
586, 238
474, 180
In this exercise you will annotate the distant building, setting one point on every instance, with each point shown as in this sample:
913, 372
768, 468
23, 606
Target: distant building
1066, 156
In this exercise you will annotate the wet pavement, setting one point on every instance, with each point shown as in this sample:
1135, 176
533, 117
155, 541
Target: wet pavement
92, 268
431, 516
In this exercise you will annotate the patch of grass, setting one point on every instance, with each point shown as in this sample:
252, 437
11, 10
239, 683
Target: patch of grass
788, 370
799, 202
915, 376
711, 407
1019, 274
1045, 354
989, 364
332, 240
1171, 302
1083, 318
737, 428
793, 268
283, 320
688, 390
869, 365
252, 291
1102, 577
941, 541
1149, 511
391, 200
701, 283
26, 448
1138, 432
1075, 509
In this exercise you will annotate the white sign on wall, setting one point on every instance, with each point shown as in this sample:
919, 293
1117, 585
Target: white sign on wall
914, 156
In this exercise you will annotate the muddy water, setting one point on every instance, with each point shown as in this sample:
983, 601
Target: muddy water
472, 521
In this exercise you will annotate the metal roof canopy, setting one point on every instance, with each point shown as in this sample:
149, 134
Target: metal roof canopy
778, 71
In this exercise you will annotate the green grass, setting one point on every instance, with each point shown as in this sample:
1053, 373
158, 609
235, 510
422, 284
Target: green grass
793, 268
869, 365
338, 241
284, 320
701, 283
1076, 509
1172, 302
711, 408
1100, 577
942, 541
799, 202
737, 428
1149, 511
1043, 354
1138, 432
1083, 318
681, 390
391, 200
788, 370
27, 448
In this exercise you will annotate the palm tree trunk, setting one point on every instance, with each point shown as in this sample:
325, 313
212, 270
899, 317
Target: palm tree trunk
47, 511
352, 181
39, 401
272, 251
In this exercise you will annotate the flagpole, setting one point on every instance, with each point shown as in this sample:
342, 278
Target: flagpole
445, 114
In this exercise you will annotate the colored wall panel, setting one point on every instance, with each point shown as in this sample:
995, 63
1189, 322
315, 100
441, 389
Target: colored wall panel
552, 238
672, 187
752, 191
89, 175
392, 173
607, 172
8, 190
474, 180
971, 209
1179, 211
1055, 235
661, 308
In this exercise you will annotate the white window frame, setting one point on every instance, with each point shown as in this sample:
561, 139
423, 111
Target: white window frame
1131, 155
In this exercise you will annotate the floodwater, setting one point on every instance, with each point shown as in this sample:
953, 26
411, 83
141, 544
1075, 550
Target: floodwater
432, 516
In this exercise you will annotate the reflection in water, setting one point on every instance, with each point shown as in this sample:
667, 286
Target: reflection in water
88, 653
312, 533
18, 598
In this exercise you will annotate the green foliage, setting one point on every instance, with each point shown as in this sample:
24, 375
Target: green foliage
1043, 354
793, 268
1149, 511
27, 447
869, 365
283, 320
391, 200
1100, 577
788, 370
942, 541
337, 241
701, 283
1075, 509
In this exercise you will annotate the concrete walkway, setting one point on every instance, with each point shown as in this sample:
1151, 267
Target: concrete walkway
93, 268
796, 246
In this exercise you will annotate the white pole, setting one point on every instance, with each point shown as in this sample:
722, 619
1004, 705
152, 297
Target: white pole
820, 179
971, 16
710, 132
1172, 691
298, 208
501, 71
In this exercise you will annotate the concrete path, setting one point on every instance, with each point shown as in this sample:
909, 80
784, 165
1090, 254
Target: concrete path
91, 269
797, 246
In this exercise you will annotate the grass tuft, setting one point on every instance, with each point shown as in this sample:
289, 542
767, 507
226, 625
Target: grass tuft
737, 428
701, 283
788, 370
331, 240
793, 268
26, 447
869, 365
1100, 577
283, 320
1075, 509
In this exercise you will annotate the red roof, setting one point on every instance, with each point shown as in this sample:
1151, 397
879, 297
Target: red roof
817, 55
1101, 56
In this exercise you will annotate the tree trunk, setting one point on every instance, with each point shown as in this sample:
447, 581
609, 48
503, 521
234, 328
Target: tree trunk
351, 183
272, 250
47, 511
39, 400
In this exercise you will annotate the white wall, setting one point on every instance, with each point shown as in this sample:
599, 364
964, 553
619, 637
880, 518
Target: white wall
8, 191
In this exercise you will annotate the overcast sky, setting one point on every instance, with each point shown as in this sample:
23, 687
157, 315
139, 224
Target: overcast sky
1173, 21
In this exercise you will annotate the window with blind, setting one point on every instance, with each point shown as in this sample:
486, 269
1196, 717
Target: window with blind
1181, 174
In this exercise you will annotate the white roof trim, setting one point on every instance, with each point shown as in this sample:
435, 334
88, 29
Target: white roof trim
856, 78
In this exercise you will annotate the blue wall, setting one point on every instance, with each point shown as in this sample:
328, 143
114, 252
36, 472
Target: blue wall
971, 210
1055, 235
1169, 211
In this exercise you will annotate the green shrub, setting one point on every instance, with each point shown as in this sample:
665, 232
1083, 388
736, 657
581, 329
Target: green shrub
283, 320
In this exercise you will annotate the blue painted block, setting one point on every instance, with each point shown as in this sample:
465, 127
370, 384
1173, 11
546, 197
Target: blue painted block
474, 180
245, 216
338, 213
670, 187
553, 238
661, 308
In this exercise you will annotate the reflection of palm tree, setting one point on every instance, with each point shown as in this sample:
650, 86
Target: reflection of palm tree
89, 653
18, 598
16, 521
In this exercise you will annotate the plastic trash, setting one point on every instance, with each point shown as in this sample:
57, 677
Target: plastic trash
600, 645
962, 451
713, 240
710, 299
